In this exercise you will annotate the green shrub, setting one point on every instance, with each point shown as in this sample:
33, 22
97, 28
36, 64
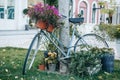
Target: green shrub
113, 31
86, 62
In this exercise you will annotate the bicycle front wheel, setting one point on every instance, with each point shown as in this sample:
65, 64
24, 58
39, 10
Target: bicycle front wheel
32, 51
88, 41
38, 43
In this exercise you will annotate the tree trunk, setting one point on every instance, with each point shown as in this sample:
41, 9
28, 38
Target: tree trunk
64, 32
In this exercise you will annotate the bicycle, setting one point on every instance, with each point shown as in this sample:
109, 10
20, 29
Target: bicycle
43, 36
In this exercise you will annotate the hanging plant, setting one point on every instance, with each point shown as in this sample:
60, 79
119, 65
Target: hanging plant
111, 11
101, 3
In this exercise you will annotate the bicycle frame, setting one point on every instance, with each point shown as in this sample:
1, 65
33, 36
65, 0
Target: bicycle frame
66, 55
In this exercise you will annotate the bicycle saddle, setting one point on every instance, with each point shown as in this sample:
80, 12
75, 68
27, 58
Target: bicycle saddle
76, 20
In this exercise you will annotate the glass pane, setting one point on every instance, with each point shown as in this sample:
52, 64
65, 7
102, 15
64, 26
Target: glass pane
1, 12
93, 14
2, 9
11, 12
10, 9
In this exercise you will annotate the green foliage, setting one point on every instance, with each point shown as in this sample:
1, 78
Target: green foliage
42, 59
85, 62
111, 11
104, 9
52, 2
51, 47
88, 62
101, 3
25, 11
113, 31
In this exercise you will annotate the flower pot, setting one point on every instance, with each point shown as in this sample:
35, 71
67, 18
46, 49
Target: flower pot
41, 24
50, 28
52, 67
108, 63
41, 67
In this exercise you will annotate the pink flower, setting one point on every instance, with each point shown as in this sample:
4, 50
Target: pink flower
45, 12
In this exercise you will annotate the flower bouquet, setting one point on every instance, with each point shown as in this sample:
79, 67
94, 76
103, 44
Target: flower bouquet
45, 14
51, 60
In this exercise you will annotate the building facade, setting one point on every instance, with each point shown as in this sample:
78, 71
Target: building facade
89, 9
11, 14
12, 17
116, 16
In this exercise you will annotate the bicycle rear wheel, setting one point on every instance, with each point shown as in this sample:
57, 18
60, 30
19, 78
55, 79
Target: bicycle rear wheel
36, 44
88, 41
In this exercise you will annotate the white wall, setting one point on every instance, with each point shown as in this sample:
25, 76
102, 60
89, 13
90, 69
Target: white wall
21, 21
18, 22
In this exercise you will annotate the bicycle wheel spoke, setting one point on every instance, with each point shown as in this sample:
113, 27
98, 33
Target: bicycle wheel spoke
88, 41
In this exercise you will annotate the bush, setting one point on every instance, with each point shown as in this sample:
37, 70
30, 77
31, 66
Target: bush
86, 62
113, 31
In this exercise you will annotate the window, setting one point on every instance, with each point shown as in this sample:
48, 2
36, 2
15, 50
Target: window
93, 13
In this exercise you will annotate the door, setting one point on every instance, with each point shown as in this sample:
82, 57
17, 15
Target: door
7, 15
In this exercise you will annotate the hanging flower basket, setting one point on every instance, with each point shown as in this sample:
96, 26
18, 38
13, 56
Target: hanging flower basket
50, 28
47, 13
41, 24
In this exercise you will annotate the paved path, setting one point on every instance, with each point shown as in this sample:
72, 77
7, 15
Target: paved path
20, 39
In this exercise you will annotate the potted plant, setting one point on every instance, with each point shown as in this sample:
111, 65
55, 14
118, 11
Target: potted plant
110, 12
102, 4
51, 60
42, 64
47, 14
107, 59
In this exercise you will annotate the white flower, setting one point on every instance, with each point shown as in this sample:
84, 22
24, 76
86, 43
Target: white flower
3, 62
12, 62
4, 50
6, 70
21, 79
16, 77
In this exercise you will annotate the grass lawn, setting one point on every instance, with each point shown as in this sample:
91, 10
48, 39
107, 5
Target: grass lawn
11, 62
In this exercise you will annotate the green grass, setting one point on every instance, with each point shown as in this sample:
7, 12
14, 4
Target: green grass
11, 62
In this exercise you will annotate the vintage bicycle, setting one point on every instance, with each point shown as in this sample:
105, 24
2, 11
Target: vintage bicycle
82, 42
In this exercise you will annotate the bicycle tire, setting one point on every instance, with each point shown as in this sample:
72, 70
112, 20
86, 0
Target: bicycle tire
31, 53
88, 41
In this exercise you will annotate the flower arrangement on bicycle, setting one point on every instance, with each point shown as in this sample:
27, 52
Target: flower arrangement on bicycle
52, 58
45, 13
